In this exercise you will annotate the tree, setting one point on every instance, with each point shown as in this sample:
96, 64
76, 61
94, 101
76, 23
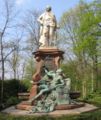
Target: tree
29, 69
6, 25
32, 28
89, 33
15, 58
70, 23
80, 30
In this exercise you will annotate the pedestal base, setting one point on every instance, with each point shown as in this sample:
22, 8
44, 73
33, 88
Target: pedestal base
57, 113
70, 106
58, 107
23, 107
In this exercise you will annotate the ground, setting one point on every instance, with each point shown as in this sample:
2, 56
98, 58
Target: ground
14, 114
94, 115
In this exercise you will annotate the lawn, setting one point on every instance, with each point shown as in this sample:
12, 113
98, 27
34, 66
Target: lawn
95, 115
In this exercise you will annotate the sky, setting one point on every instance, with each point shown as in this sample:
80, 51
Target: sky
58, 6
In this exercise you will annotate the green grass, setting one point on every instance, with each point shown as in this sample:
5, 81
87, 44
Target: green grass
94, 98
95, 115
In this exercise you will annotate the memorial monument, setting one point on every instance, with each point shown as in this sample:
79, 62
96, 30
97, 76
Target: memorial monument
50, 89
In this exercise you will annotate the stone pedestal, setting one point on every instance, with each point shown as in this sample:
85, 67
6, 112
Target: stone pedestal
49, 57
46, 56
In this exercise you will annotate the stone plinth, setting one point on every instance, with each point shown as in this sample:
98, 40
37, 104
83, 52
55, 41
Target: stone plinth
87, 108
69, 106
25, 106
47, 56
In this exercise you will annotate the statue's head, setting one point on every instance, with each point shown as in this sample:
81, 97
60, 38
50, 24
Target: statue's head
59, 71
48, 8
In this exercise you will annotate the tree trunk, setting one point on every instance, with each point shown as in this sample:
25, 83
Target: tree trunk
15, 73
95, 71
3, 71
92, 81
2, 83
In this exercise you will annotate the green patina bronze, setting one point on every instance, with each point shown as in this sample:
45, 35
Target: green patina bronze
53, 89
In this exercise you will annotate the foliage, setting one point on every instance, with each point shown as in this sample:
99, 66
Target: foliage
70, 70
27, 84
82, 34
29, 69
12, 101
94, 98
11, 89
85, 116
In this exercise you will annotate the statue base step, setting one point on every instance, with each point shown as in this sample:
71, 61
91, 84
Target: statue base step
69, 106
56, 113
23, 106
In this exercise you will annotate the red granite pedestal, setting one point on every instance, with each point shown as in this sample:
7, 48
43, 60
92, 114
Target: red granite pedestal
51, 58
58, 107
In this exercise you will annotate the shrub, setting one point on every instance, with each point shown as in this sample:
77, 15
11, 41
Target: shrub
11, 89
85, 116
12, 101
